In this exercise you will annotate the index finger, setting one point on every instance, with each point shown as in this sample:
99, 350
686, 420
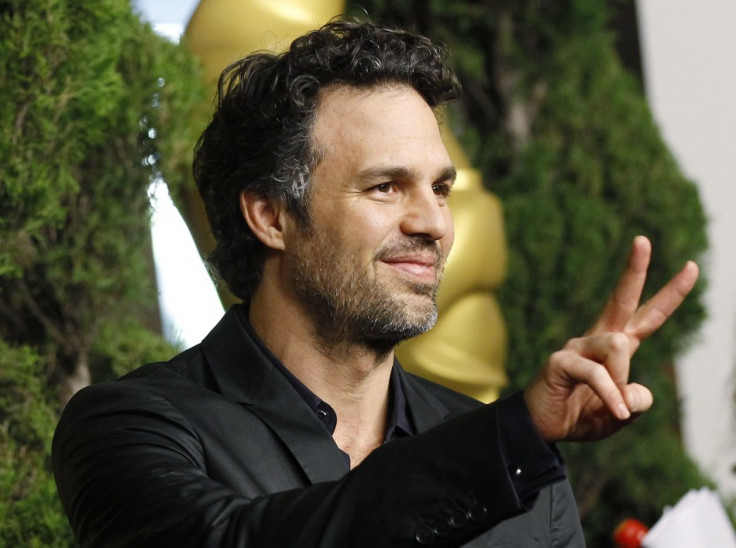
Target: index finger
624, 300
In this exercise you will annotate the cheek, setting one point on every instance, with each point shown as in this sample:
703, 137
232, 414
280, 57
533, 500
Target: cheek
360, 229
370, 228
353, 238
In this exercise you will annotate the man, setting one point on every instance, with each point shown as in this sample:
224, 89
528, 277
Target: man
325, 182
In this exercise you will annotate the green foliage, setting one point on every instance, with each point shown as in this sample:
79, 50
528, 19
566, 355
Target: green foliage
564, 136
88, 121
30, 511
93, 107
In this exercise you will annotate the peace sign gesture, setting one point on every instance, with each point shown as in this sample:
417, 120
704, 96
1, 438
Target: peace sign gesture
583, 392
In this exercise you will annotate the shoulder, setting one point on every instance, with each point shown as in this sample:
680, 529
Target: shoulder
189, 365
152, 392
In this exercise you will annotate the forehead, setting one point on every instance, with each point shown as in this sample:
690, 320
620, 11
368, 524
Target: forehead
391, 121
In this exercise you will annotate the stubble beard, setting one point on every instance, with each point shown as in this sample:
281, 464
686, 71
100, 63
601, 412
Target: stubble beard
349, 306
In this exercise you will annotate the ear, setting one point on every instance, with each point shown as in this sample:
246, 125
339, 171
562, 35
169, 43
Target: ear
264, 217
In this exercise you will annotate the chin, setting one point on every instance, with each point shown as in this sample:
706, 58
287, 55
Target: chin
412, 327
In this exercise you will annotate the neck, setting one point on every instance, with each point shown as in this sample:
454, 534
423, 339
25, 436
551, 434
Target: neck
353, 378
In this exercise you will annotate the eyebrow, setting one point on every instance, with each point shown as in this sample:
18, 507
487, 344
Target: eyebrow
390, 172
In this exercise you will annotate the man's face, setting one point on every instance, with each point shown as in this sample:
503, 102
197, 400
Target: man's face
368, 264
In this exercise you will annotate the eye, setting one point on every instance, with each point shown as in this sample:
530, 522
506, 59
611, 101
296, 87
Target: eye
385, 188
441, 189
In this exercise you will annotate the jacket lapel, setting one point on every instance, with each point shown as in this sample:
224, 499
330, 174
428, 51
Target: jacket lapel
244, 374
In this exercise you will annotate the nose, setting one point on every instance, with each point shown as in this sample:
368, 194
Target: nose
427, 214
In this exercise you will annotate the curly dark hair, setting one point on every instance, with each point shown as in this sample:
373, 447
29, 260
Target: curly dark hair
259, 139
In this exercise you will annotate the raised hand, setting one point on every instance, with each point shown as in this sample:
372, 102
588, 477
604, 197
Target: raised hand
583, 392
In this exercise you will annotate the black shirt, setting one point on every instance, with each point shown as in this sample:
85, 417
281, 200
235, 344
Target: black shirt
400, 424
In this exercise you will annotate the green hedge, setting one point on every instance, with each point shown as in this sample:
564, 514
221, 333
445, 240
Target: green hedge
30, 511
93, 107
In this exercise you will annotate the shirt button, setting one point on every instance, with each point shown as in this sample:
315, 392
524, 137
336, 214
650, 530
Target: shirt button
517, 472
322, 414
424, 536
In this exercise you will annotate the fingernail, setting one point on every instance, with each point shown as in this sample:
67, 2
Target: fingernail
623, 412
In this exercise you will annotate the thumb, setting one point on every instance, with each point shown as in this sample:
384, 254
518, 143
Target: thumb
638, 398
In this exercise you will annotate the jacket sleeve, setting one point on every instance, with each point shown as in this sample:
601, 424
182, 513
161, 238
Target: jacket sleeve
131, 471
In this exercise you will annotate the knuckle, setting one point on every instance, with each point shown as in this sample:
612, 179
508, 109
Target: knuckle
560, 358
618, 342
572, 344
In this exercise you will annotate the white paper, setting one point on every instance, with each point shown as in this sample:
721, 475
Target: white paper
697, 520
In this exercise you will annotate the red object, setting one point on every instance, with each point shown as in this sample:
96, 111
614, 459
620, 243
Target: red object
629, 533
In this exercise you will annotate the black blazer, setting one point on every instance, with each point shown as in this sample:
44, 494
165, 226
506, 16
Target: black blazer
216, 448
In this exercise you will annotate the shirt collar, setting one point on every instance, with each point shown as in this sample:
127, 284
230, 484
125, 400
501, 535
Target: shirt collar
399, 425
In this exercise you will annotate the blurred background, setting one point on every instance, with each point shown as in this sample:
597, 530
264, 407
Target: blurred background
591, 121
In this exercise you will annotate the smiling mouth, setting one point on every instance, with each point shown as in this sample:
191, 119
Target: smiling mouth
415, 267
423, 268
418, 261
